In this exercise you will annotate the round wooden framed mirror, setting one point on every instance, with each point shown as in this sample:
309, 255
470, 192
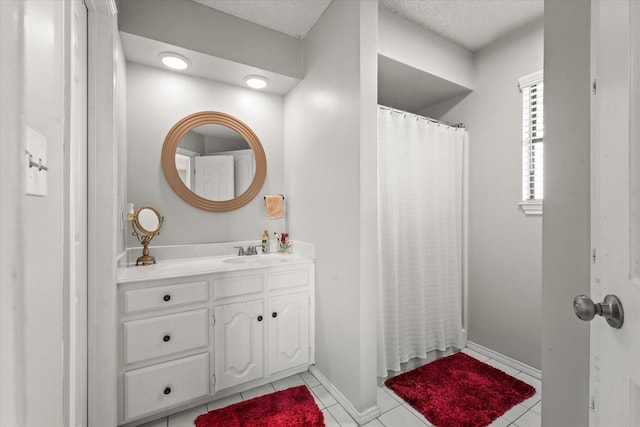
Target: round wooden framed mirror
224, 137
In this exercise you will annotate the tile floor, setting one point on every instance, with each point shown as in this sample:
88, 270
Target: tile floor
394, 412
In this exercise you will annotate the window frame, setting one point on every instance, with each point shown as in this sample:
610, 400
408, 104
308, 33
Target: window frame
532, 116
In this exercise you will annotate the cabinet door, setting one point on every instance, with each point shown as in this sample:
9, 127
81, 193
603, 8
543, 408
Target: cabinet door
238, 343
288, 331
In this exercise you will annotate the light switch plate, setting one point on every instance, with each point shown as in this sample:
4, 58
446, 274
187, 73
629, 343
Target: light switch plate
36, 178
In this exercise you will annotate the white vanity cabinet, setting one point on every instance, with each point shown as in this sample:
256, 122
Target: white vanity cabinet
164, 341
190, 339
260, 331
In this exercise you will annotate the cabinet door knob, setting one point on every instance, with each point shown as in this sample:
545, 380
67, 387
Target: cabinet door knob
167, 390
274, 314
260, 318
167, 297
166, 338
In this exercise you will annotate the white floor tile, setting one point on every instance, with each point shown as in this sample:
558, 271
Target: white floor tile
258, 391
285, 383
475, 354
515, 412
342, 416
329, 421
400, 416
158, 423
392, 394
317, 400
385, 401
309, 379
394, 411
325, 397
529, 419
225, 401
500, 422
374, 423
186, 418
504, 368
537, 408
530, 402
534, 382
417, 414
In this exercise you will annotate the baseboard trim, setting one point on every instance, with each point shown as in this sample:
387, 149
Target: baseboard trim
513, 363
360, 417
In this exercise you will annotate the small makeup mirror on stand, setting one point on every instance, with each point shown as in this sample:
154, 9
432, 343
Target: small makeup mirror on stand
146, 225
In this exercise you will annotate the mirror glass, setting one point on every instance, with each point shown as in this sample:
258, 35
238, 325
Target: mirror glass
214, 161
223, 158
148, 220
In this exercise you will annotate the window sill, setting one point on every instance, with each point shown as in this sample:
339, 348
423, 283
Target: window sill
531, 207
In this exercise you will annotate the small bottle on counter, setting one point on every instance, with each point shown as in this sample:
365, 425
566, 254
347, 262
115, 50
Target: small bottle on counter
265, 242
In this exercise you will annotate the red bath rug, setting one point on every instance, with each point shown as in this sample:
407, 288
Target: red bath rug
460, 391
293, 407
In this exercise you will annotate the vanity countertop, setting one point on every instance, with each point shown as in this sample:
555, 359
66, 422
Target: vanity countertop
203, 265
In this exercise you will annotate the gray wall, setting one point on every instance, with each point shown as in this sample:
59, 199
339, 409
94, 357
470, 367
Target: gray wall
407, 42
330, 121
156, 100
505, 245
566, 228
32, 257
212, 32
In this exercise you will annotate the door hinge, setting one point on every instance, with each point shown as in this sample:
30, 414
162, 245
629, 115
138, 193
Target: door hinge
213, 379
594, 86
213, 320
593, 256
592, 403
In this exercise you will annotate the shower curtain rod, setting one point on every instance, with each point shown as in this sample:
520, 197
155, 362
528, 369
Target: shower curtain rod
429, 119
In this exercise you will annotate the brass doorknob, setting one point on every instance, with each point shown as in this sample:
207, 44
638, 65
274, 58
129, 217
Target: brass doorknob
610, 309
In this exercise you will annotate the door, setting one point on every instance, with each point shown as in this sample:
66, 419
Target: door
215, 177
239, 352
288, 331
76, 228
245, 167
615, 130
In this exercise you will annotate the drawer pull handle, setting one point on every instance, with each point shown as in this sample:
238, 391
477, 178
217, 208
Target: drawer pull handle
167, 298
259, 318
274, 314
166, 338
167, 390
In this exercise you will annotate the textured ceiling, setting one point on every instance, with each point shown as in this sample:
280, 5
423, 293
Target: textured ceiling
292, 17
471, 23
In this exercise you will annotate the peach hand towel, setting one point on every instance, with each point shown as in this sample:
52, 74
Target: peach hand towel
274, 205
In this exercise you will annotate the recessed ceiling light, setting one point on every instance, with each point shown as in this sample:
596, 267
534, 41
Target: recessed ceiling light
256, 82
174, 60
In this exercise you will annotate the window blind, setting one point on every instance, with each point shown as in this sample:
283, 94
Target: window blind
532, 88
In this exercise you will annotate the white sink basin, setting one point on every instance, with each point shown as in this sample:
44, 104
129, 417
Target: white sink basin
261, 259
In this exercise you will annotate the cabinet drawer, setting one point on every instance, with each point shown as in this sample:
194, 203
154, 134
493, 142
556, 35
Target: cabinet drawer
164, 296
160, 386
288, 279
235, 286
158, 336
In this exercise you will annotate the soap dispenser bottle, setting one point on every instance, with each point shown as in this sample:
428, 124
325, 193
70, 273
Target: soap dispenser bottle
265, 242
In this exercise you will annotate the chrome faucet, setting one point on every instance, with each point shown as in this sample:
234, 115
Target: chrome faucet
251, 250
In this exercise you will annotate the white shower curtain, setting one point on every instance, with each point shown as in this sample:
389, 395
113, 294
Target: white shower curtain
420, 197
